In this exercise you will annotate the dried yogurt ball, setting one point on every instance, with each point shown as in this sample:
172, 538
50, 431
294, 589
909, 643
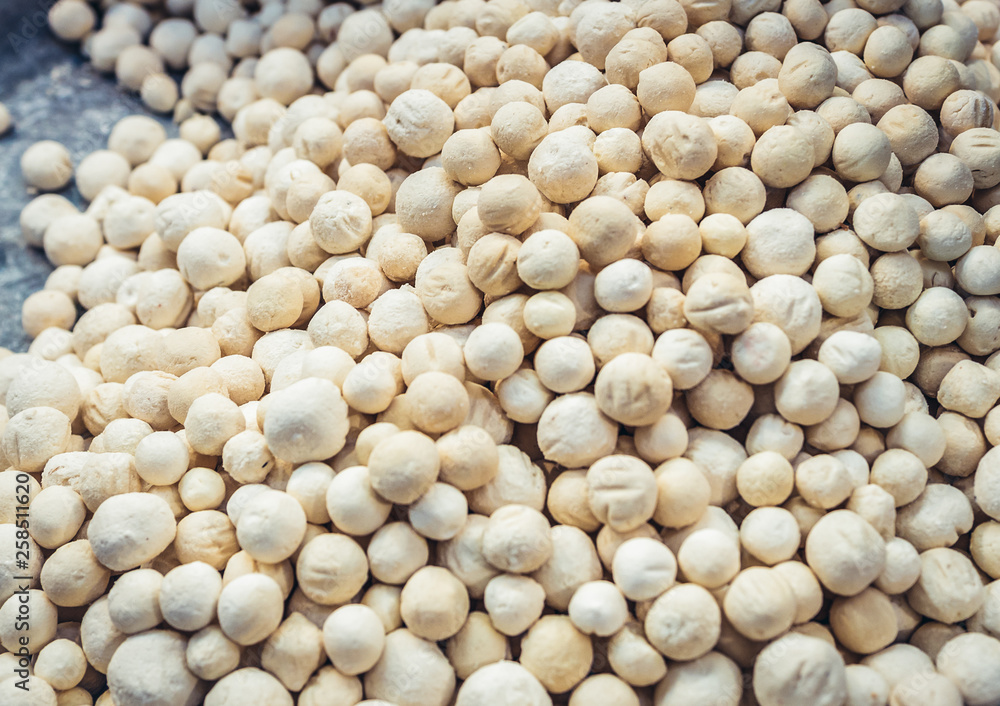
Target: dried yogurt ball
844, 285
709, 557
713, 678
761, 353
341, 222
623, 286
719, 302
55, 515
681, 146
778, 670
684, 623
621, 491
131, 680
161, 458
937, 317
211, 421
643, 568
469, 457
949, 589
558, 654
598, 608
130, 529
791, 304
823, 481
188, 596
759, 603
403, 467
306, 421
419, 122
780, 241
34, 436
488, 683
250, 608
633, 389
861, 152
353, 636
807, 393
972, 662
563, 166
770, 534
683, 493
438, 402
440, 512
516, 539
493, 351
880, 400
845, 551
573, 431
133, 601
61, 663
864, 623
46, 166
548, 259
686, 356
852, 356
431, 680
331, 569
513, 602
604, 229
434, 604
352, 505
782, 156
887, 222
271, 526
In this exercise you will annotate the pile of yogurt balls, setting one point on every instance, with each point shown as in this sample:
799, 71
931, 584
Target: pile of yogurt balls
515, 353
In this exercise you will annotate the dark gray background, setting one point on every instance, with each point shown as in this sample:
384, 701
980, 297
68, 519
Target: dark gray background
52, 94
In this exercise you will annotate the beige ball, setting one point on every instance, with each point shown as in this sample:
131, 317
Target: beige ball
684, 623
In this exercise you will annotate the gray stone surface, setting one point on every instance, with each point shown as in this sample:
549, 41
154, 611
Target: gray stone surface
52, 94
